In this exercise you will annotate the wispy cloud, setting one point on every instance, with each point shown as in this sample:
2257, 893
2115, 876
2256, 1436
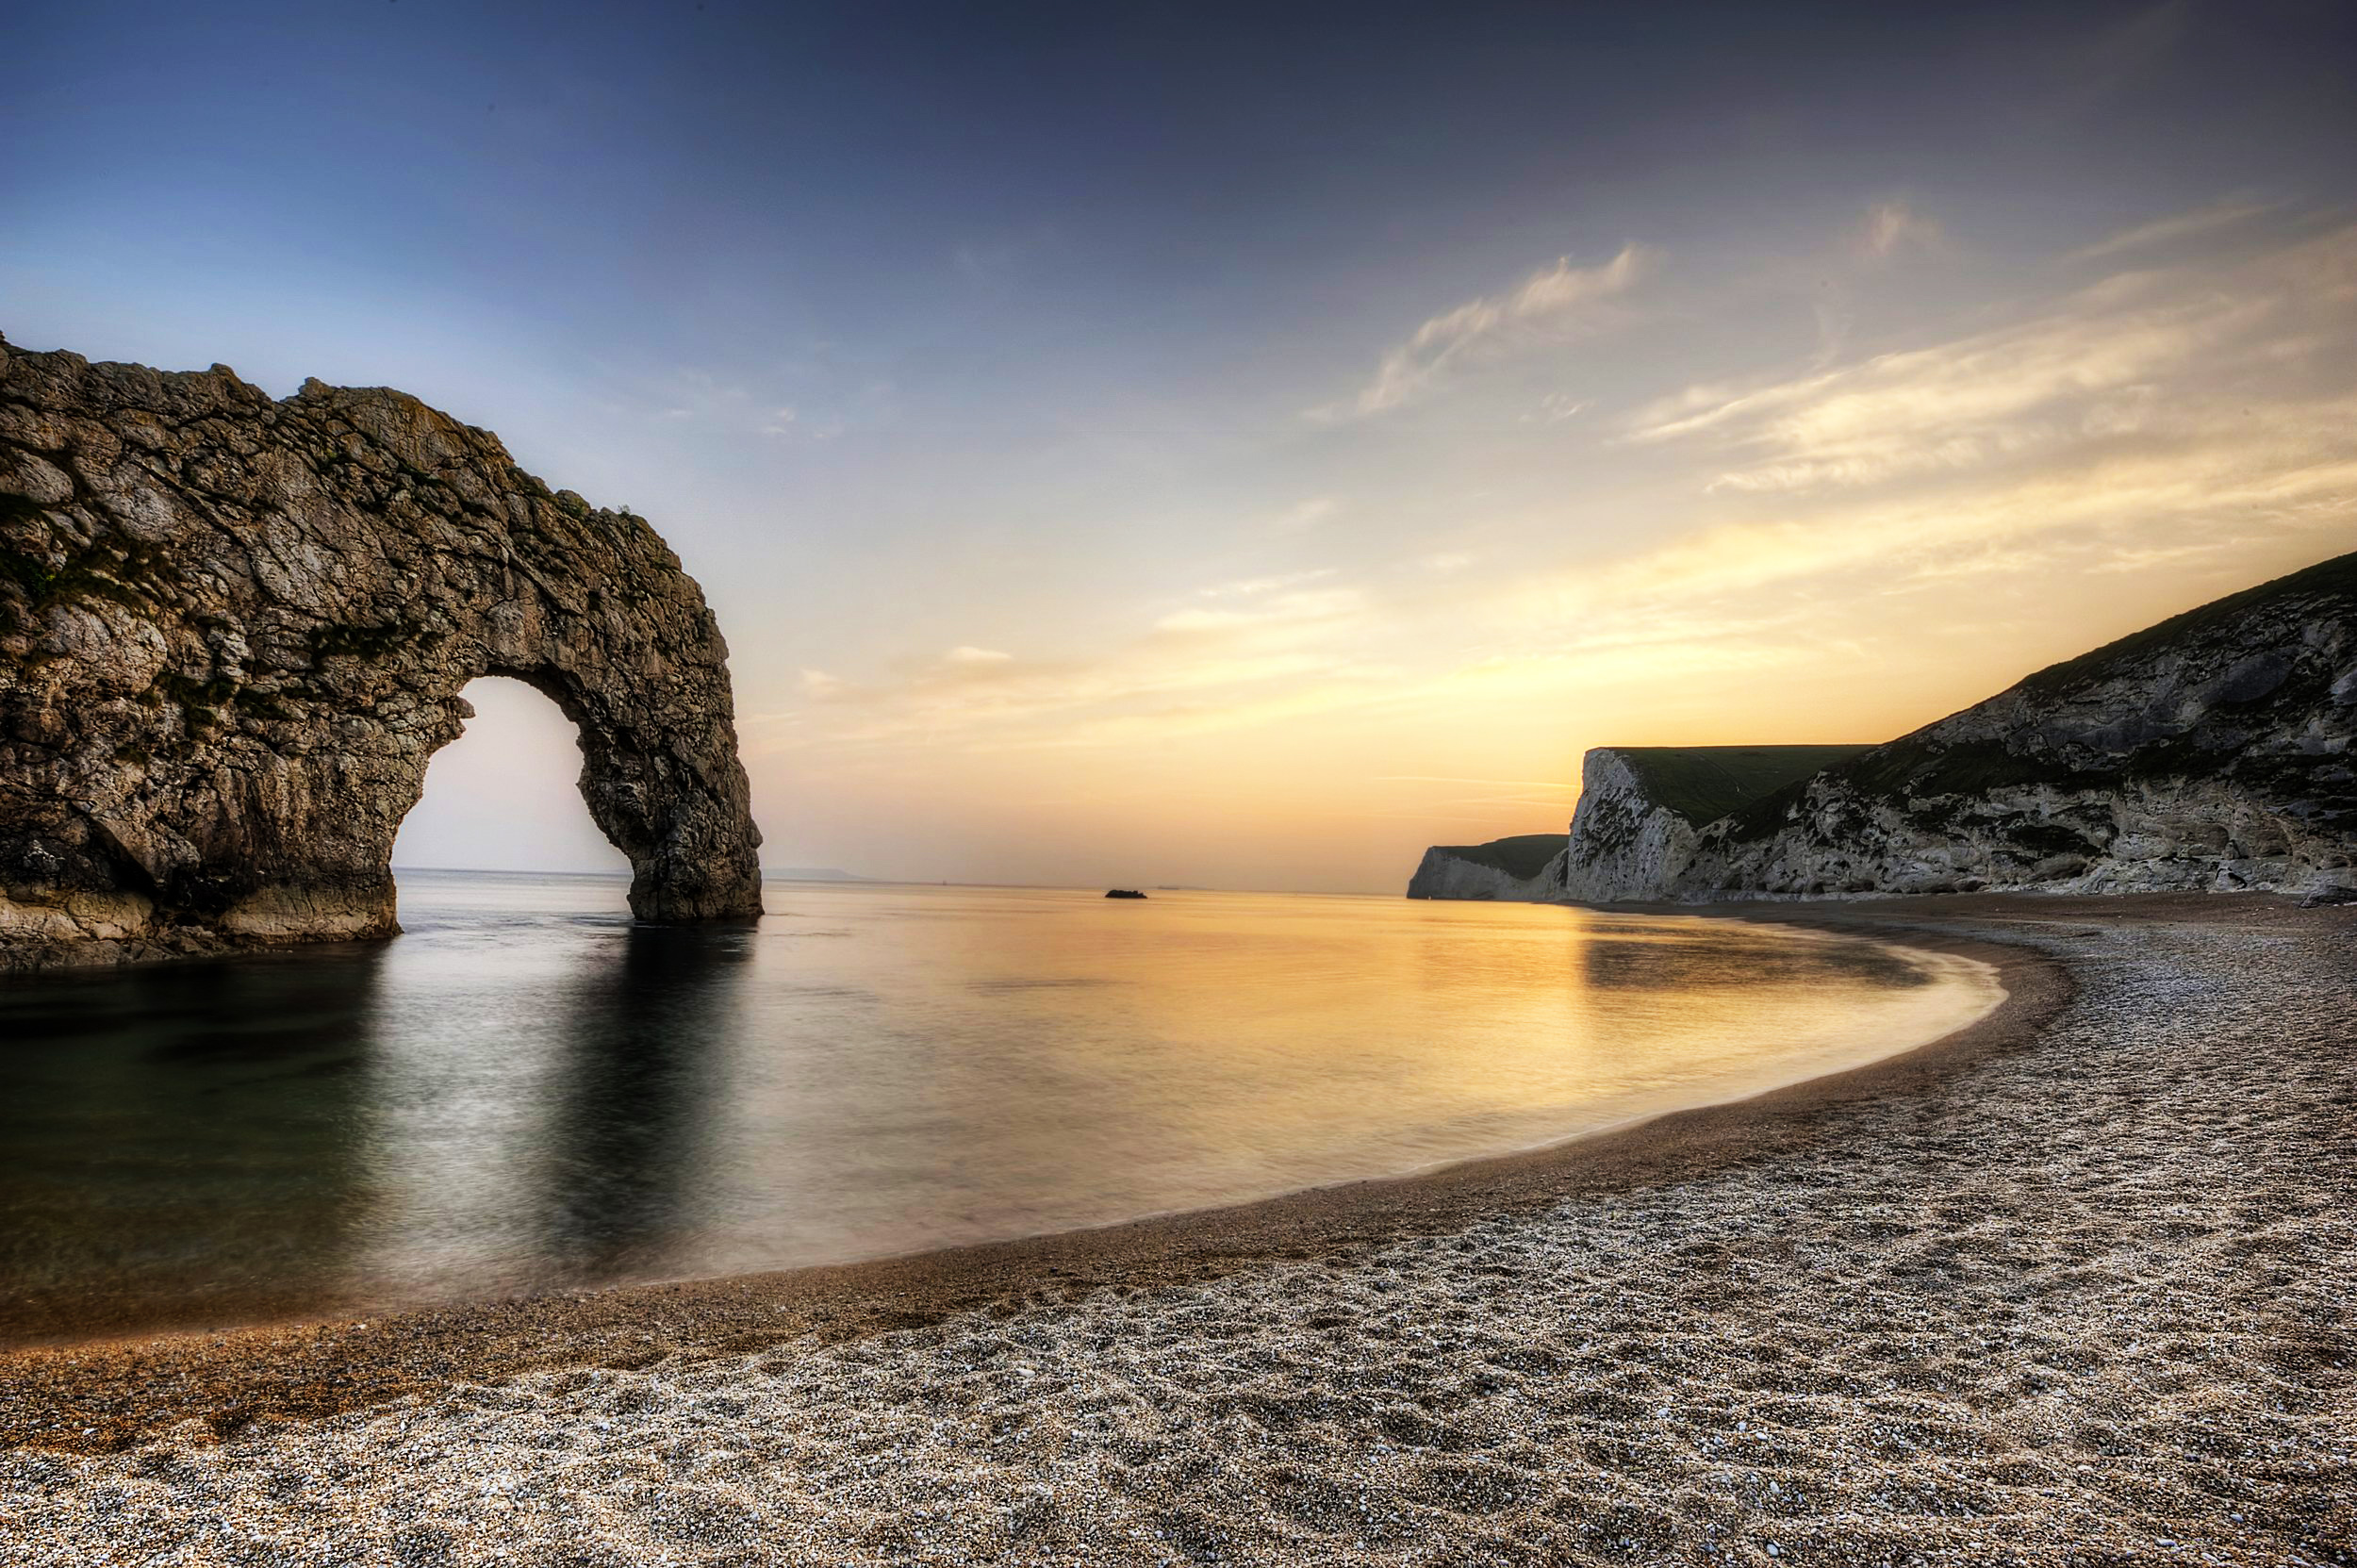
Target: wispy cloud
1552, 302
1450, 778
1249, 588
1895, 227
1256, 603
1247, 651
2165, 231
757, 404
2138, 353
1307, 514
2293, 473
2183, 423
1558, 407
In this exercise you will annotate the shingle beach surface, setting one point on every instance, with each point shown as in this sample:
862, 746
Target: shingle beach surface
2083, 1300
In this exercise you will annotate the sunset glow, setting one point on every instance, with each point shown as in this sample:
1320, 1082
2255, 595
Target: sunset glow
1184, 501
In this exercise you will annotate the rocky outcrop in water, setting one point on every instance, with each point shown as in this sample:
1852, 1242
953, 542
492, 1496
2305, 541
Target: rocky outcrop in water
1525, 869
233, 631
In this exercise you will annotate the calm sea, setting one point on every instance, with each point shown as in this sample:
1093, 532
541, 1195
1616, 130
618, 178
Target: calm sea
528, 1092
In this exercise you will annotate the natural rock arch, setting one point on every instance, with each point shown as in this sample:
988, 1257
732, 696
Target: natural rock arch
233, 631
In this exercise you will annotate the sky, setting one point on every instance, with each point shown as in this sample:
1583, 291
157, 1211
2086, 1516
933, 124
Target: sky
1142, 444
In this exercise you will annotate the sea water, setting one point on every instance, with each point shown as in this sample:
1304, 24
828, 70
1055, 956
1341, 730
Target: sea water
530, 1092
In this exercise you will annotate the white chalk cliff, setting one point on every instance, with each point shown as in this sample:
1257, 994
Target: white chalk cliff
1513, 870
1642, 810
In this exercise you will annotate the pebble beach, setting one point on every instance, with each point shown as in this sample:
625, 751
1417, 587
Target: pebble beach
2072, 1287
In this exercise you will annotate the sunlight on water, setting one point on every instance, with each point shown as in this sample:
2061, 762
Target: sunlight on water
528, 1092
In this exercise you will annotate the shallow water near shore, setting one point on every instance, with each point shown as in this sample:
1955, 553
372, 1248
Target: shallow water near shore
528, 1092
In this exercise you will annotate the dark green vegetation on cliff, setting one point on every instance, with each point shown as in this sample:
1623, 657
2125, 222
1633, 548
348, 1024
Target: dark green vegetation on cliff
1517, 869
1702, 783
1523, 855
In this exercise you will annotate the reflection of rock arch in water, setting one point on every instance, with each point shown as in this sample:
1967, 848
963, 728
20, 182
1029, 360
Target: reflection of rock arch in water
647, 1038
235, 631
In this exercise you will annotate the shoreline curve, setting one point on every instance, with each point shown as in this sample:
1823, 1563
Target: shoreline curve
102, 1394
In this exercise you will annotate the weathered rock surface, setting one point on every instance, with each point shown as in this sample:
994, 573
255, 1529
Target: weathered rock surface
233, 631
2209, 752
1525, 869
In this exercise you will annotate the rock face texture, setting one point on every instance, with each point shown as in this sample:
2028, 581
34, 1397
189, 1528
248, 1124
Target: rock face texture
1642, 809
2210, 751
1523, 870
233, 631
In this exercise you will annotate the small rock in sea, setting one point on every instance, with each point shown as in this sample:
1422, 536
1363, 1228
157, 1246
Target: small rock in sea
1123, 892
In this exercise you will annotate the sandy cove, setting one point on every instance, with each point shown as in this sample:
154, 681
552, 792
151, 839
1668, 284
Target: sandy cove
2069, 1286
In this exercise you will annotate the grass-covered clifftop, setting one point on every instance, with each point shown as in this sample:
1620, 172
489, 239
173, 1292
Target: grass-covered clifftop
2332, 579
1702, 783
1523, 855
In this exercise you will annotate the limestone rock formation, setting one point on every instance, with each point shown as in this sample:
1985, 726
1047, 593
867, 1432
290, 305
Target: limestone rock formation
233, 630
1525, 869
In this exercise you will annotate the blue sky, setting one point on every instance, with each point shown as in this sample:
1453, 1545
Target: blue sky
1185, 444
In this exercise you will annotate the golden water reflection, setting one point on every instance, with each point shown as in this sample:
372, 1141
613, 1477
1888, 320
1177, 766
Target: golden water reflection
529, 1092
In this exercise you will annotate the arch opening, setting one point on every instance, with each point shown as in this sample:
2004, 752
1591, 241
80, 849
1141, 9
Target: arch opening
505, 795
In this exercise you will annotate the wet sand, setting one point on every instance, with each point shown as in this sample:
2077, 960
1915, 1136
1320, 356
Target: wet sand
2070, 1285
